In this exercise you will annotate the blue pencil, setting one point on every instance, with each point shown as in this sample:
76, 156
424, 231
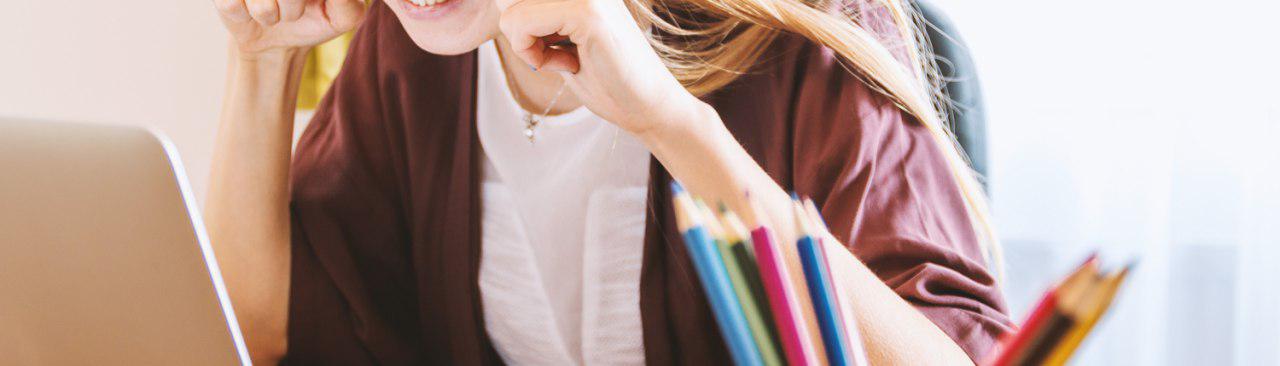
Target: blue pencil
821, 290
853, 336
715, 280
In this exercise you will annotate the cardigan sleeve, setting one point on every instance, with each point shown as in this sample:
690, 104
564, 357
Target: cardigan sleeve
886, 191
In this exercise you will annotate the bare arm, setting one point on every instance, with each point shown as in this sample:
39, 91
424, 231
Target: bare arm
705, 157
247, 209
616, 73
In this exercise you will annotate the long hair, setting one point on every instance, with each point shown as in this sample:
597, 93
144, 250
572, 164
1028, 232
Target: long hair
708, 43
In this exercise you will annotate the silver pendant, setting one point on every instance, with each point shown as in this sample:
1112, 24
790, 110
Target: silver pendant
530, 126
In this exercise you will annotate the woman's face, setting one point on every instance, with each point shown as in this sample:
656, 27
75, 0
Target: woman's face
448, 27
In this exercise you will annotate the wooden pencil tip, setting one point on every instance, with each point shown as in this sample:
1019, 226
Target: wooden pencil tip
1131, 265
710, 222
801, 220
685, 210
1128, 267
815, 216
735, 230
752, 215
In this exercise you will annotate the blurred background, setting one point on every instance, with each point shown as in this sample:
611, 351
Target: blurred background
1144, 129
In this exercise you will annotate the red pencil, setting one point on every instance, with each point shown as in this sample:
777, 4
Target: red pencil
1016, 344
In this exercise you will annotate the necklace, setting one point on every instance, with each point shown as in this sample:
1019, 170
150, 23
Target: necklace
532, 121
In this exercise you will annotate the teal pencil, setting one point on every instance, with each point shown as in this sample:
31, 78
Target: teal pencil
715, 280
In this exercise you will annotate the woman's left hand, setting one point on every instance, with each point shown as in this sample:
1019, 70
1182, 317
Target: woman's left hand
611, 67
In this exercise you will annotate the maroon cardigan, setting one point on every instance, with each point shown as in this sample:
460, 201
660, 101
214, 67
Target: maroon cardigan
386, 208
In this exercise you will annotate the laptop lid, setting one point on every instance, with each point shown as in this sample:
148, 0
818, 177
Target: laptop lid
103, 256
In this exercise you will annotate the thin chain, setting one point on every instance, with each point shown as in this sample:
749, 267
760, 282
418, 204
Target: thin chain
555, 99
531, 121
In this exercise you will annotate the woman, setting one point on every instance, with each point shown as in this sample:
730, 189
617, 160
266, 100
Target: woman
478, 185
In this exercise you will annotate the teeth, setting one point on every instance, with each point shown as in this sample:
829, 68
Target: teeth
427, 2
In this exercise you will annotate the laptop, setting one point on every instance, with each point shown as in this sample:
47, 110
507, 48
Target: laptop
103, 256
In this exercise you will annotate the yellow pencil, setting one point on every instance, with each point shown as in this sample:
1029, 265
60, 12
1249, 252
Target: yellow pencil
1105, 294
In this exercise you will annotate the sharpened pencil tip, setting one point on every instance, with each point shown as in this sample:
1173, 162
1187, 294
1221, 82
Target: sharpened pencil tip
676, 188
1128, 267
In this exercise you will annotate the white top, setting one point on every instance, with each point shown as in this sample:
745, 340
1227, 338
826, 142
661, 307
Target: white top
563, 231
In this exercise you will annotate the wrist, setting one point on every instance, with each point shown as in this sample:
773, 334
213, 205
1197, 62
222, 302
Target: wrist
268, 80
690, 119
279, 57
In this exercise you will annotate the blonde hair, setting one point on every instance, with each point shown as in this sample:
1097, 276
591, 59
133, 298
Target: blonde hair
708, 43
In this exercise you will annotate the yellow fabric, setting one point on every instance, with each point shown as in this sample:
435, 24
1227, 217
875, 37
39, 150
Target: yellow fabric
322, 68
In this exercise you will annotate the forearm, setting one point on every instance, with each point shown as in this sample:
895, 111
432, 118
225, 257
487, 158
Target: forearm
704, 156
247, 207
893, 331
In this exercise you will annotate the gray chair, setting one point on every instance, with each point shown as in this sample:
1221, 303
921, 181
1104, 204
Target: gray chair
967, 113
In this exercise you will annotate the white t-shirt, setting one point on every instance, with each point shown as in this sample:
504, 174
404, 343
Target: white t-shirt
563, 232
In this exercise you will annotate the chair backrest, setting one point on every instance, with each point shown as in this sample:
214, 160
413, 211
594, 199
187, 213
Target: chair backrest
967, 112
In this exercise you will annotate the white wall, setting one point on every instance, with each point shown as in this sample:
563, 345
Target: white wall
1147, 129
156, 63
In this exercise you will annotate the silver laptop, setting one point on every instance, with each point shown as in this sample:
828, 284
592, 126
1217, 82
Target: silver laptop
103, 256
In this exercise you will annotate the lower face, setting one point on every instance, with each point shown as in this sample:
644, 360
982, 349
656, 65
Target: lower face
447, 27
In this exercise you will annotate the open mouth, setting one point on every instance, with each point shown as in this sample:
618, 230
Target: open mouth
426, 3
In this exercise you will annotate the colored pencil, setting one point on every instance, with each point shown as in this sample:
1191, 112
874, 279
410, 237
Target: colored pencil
1070, 299
792, 332
730, 234
782, 294
795, 274
850, 322
715, 280
1015, 347
821, 291
1110, 286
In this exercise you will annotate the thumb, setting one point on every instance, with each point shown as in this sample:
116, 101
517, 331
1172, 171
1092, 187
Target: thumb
344, 14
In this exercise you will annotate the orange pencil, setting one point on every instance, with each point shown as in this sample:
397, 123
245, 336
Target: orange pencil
1016, 345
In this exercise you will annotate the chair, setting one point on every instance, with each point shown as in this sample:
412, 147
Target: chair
961, 86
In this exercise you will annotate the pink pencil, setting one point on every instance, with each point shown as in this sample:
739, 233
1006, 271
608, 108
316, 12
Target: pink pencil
792, 330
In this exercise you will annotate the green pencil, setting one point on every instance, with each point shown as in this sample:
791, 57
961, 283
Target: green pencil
730, 238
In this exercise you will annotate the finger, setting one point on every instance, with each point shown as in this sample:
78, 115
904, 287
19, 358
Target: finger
563, 60
526, 23
343, 15
233, 10
533, 54
291, 10
265, 12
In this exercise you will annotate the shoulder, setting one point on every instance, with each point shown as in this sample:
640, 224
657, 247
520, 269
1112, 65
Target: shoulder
829, 100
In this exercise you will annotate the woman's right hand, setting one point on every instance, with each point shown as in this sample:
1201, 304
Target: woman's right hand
260, 26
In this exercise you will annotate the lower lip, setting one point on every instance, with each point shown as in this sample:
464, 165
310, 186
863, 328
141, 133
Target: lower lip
428, 12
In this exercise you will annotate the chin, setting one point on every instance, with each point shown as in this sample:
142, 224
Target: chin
449, 27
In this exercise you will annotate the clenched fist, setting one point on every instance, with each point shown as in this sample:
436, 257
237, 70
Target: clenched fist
258, 26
